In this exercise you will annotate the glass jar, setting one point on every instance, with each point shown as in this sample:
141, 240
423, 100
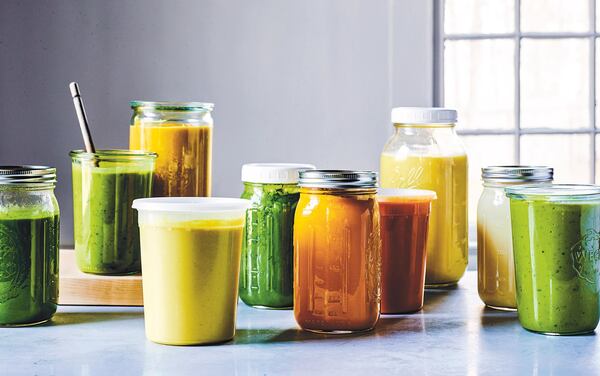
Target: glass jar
556, 243
337, 252
29, 244
105, 183
181, 134
495, 261
266, 279
426, 153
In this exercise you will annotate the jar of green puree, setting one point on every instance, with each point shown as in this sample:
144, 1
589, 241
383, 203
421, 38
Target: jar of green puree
29, 240
556, 243
266, 277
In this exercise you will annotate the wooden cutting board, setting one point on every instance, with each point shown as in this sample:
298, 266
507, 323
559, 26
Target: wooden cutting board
78, 288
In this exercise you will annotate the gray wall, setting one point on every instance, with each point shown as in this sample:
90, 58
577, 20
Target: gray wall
299, 81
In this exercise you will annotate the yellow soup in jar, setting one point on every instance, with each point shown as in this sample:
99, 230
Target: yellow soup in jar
190, 280
183, 166
447, 242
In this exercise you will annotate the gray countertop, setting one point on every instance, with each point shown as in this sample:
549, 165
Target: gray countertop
454, 334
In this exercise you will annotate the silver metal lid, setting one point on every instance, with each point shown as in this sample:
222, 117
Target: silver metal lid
516, 174
338, 179
27, 175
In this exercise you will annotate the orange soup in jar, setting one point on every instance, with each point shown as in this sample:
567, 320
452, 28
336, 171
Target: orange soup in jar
337, 252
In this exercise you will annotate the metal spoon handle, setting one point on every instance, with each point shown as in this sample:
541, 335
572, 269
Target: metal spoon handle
83, 122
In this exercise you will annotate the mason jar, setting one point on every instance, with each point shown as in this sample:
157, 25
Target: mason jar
29, 245
426, 153
495, 260
337, 252
266, 278
181, 134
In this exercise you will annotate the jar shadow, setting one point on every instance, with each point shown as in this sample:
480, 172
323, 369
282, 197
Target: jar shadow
497, 318
76, 318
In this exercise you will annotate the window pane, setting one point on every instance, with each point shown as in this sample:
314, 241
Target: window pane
568, 154
484, 151
555, 83
555, 15
597, 156
479, 82
479, 16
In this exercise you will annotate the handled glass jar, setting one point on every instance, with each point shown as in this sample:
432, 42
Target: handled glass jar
426, 153
181, 134
29, 244
266, 279
337, 252
495, 260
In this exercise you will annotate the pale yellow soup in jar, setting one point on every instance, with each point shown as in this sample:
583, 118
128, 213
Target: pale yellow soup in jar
447, 242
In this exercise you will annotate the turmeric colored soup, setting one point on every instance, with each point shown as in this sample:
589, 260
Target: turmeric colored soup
336, 260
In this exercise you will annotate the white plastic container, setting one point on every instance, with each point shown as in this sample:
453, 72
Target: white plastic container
191, 251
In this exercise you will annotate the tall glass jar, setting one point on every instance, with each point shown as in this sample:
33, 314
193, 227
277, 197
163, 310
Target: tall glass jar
266, 279
29, 243
426, 153
181, 134
337, 252
495, 260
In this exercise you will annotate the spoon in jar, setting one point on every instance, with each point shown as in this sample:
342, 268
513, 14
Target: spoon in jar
82, 118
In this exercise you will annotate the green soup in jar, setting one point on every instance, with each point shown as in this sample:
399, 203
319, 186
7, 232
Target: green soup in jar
106, 231
266, 277
556, 241
29, 245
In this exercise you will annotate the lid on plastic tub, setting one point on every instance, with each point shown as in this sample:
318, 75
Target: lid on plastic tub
555, 192
207, 205
273, 173
423, 115
405, 195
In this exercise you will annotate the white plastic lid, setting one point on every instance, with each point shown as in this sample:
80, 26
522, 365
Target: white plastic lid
273, 173
423, 115
391, 193
191, 204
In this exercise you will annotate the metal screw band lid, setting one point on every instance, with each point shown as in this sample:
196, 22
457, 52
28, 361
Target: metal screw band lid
338, 179
27, 175
516, 174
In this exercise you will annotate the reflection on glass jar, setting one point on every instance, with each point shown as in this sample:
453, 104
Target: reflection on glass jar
495, 262
556, 242
29, 241
181, 134
337, 252
426, 153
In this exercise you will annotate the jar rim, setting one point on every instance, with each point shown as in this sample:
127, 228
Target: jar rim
555, 192
112, 155
172, 106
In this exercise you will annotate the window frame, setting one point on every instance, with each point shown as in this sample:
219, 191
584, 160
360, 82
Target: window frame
592, 36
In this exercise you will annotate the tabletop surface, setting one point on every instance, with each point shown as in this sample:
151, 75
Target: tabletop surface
454, 334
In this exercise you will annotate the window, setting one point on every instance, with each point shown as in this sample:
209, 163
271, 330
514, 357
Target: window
522, 75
